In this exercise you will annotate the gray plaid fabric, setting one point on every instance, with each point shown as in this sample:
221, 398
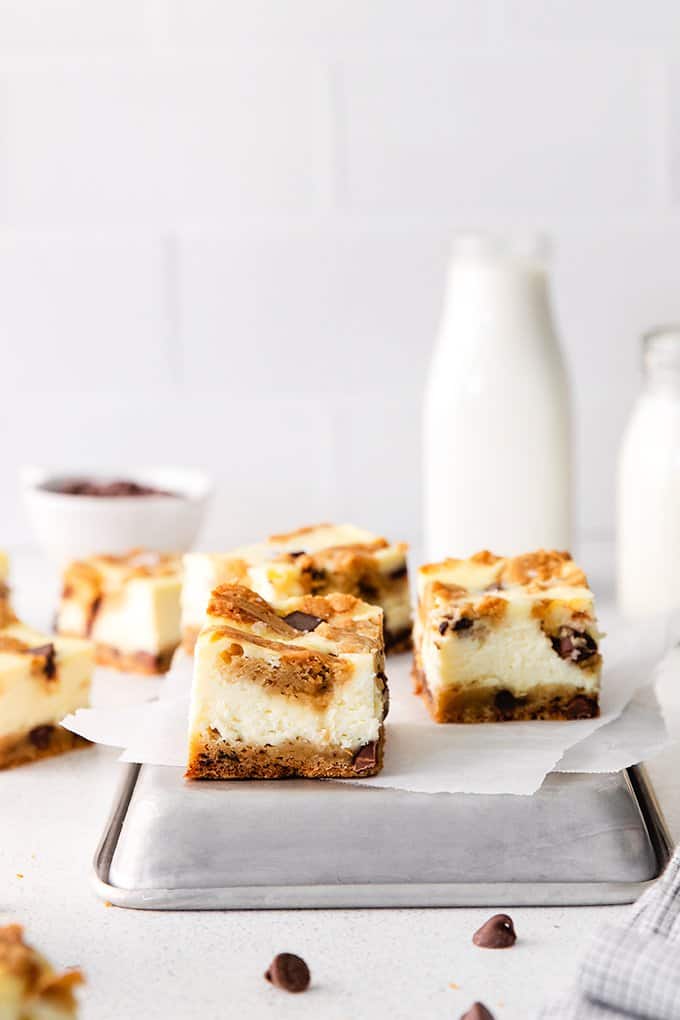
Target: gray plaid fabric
632, 969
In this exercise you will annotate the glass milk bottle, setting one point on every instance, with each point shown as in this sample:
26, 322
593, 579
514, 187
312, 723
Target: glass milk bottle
648, 540
496, 417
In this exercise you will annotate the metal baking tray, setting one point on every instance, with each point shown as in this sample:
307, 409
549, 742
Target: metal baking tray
174, 845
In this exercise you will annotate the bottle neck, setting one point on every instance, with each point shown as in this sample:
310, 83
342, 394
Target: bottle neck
497, 303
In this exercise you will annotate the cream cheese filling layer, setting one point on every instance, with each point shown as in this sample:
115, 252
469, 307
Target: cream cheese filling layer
28, 700
514, 654
142, 617
245, 713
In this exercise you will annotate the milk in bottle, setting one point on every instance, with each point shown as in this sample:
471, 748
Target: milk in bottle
496, 414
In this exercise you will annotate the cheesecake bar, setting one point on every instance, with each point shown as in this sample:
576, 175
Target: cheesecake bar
311, 561
30, 989
42, 679
296, 690
499, 639
6, 614
128, 605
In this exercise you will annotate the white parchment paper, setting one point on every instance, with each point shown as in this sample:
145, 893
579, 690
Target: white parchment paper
421, 756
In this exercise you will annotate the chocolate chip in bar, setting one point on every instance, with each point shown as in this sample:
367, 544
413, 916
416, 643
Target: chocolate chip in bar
443, 626
505, 702
496, 933
40, 737
47, 653
398, 572
289, 972
464, 623
574, 645
303, 621
366, 757
477, 1011
581, 707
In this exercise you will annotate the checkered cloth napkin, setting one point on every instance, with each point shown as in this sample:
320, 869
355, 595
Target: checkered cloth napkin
632, 969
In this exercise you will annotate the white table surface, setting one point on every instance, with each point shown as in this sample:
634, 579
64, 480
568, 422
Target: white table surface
161, 966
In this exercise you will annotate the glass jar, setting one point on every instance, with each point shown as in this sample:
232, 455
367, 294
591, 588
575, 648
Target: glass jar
648, 497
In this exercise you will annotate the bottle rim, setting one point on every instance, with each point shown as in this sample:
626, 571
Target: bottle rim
490, 246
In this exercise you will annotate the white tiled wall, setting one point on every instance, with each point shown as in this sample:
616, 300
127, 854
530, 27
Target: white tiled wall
224, 227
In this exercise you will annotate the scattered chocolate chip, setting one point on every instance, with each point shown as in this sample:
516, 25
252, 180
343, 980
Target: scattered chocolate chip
398, 572
477, 1011
496, 933
443, 626
303, 621
581, 707
40, 737
289, 972
366, 757
48, 653
574, 645
464, 623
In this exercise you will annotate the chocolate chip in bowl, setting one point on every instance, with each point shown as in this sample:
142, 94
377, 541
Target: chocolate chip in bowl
76, 513
117, 488
288, 972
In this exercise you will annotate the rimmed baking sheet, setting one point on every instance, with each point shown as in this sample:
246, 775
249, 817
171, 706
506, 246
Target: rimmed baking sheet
174, 845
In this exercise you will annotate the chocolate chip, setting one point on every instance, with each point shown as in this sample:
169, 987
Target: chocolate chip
496, 933
574, 645
303, 621
298, 552
477, 1011
464, 623
40, 737
581, 707
95, 606
289, 972
368, 591
398, 572
48, 653
386, 695
505, 702
443, 626
366, 757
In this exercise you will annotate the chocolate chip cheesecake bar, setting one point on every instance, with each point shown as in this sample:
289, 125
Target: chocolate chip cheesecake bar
311, 561
30, 989
42, 679
128, 605
296, 690
499, 639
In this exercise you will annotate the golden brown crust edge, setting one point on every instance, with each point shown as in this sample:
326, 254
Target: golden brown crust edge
41, 742
144, 663
214, 759
554, 702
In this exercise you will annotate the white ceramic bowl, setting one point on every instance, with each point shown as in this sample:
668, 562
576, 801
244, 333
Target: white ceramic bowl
72, 526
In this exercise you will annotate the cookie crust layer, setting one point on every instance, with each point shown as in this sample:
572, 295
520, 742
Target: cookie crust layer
497, 704
40, 742
212, 759
134, 662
